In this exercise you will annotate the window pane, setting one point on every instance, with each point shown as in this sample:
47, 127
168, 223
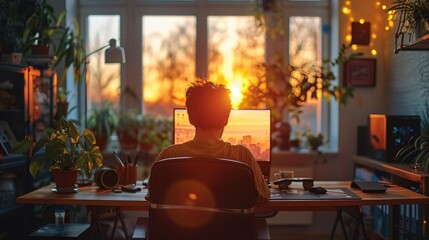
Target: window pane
235, 47
305, 39
168, 61
104, 79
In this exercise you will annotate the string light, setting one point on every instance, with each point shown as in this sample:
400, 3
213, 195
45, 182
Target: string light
347, 10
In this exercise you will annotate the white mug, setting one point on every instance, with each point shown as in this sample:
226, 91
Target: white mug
284, 174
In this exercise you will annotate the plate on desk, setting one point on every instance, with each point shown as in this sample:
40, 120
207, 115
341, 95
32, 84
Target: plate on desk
65, 190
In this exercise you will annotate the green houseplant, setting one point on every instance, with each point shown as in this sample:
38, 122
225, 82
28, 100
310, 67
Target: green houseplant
65, 150
143, 132
412, 18
314, 141
102, 121
40, 28
416, 152
43, 30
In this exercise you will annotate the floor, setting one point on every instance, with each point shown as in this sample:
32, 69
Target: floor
277, 232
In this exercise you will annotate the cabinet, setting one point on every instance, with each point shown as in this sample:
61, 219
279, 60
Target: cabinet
27, 104
396, 222
27, 99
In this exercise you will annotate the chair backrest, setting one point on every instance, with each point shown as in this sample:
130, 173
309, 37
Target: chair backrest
201, 198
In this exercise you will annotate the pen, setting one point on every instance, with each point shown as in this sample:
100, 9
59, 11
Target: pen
118, 160
136, 159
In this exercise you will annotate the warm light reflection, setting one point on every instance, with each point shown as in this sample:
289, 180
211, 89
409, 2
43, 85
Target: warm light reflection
346, 10
237, 86
235, 46
192, 196
373, 52
349, 38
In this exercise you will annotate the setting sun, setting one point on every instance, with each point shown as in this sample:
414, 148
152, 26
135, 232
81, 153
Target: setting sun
237, 85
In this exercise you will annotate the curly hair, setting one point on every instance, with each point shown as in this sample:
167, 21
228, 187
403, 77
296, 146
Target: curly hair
208, 104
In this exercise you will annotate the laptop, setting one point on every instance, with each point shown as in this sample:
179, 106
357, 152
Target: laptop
249, 127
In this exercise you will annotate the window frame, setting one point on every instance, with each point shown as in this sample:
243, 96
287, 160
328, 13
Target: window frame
131, 13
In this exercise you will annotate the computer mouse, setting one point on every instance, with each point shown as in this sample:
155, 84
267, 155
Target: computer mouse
317, 190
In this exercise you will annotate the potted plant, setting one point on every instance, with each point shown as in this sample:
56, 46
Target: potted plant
66, 151
286, 88
102, 121
143, 132
154, 133
126, 129
44, 34
413, 16
416, 152
314, 141
39, 30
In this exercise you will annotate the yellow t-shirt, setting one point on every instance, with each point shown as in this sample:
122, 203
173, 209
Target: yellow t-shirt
220, 149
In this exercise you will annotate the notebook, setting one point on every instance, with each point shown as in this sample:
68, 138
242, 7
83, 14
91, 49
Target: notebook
369, 186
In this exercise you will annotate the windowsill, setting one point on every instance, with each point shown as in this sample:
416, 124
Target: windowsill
304, 151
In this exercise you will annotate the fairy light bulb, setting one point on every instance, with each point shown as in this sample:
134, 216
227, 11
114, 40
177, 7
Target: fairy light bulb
373, 52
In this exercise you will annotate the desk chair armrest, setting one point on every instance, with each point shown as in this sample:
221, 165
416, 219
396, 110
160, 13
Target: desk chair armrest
264, 215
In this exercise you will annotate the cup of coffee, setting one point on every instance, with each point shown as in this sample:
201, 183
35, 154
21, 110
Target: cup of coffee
284, 174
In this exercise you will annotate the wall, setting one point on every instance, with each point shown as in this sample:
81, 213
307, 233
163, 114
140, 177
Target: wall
408, 81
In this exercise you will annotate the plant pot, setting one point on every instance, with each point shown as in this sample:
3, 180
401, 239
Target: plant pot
145, 147
40, 49
65, 179
126, 141
101, 140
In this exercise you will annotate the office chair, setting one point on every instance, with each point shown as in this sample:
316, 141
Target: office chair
196, 198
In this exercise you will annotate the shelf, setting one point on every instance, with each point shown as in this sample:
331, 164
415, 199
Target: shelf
397, 169
12, 162
420, 44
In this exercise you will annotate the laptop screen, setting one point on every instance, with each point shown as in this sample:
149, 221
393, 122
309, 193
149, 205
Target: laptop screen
251, 128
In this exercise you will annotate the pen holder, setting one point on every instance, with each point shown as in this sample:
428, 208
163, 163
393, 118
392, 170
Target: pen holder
128, 175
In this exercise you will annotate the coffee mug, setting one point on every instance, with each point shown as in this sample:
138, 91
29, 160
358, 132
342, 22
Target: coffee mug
284, 174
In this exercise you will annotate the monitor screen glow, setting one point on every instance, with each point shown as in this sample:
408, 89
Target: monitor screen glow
251, 128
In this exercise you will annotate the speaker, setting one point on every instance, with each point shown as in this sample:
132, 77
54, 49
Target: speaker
389, 133
106, 178
362, 141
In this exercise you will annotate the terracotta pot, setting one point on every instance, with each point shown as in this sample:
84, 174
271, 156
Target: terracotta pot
126, 141
101, 140
65, 179
41, 50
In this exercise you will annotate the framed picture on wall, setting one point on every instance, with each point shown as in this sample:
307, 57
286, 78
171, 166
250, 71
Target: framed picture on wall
360, 72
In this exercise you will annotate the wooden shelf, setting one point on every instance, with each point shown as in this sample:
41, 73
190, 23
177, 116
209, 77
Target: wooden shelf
420, 44
397, 169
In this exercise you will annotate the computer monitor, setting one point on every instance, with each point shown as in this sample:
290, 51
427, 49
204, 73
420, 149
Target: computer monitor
249, 127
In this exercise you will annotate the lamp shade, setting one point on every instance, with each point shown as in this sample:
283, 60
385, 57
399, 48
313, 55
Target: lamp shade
114, 54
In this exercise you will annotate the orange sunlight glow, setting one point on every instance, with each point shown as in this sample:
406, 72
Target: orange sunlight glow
237, 86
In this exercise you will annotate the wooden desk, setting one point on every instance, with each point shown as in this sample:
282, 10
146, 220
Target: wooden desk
91, 196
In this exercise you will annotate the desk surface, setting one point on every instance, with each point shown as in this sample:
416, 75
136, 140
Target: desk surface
92, 196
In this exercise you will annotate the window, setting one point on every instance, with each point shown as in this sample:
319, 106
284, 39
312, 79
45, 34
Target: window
169, 43
168, 61
103, 79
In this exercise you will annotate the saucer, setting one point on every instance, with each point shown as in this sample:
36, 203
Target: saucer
65, 190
